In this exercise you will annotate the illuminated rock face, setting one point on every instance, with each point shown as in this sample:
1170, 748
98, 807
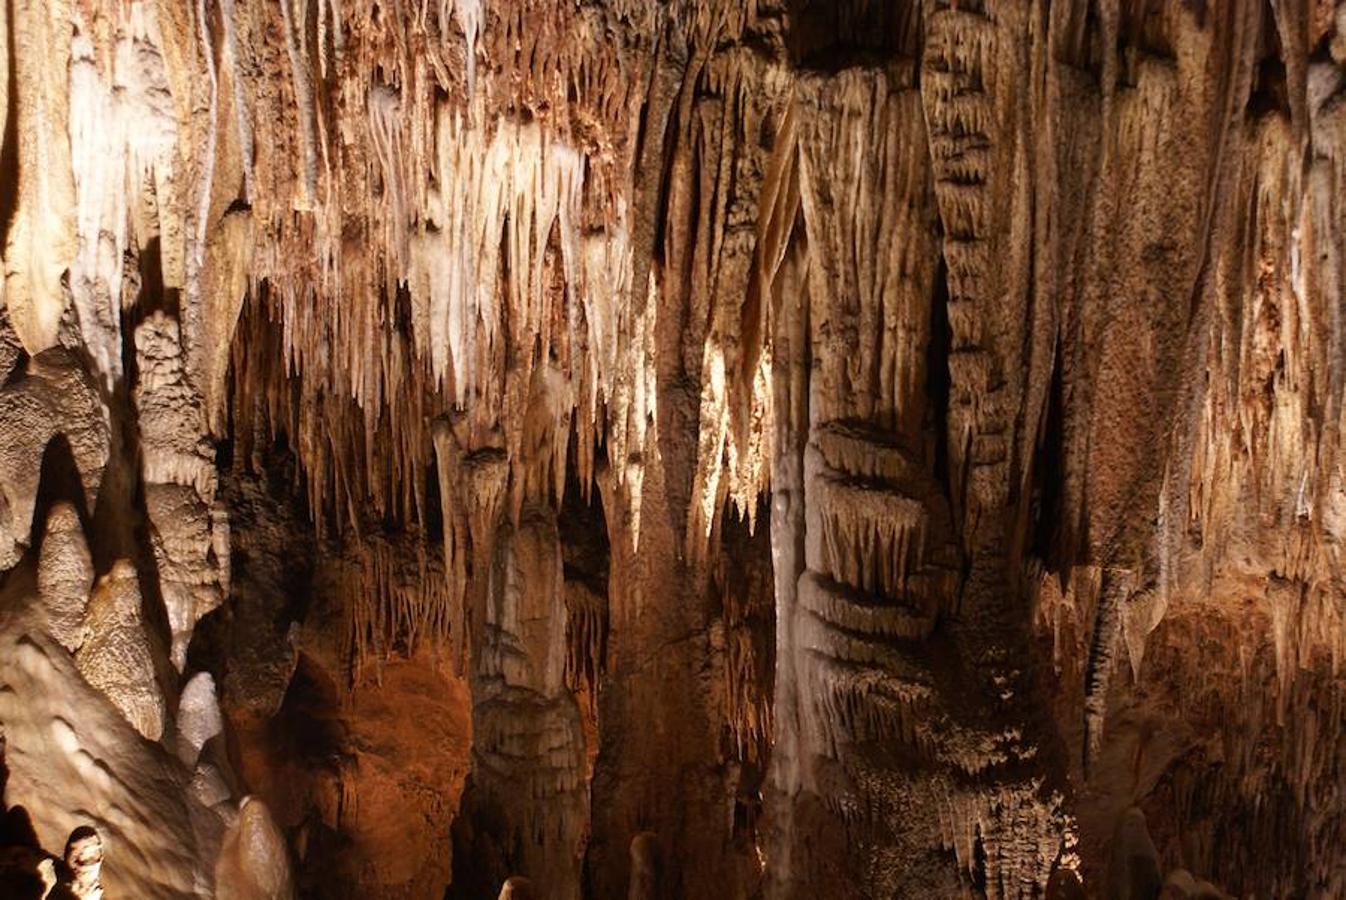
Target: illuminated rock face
117, 657
857, 448
65, 576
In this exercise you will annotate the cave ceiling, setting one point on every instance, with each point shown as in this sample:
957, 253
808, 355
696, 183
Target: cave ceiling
691, 449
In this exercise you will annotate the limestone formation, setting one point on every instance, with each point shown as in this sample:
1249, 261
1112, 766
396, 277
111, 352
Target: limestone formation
1134, 868
528, 745
254, 861
54, 420
117, 657
697, 449
198, 718
644, 867
65, 576
70, 758
188, 532
517, 888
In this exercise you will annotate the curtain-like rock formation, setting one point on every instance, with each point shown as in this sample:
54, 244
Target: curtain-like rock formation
850, 448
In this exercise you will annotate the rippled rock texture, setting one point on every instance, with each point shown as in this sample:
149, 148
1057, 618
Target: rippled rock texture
694, 449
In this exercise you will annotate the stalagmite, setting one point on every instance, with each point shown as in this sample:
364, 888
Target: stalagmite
517, 888
65, 576
698, 450
116, 657
644, 867
198, 718
254, 861
1134, 869
528, 770
181, 481
70, 758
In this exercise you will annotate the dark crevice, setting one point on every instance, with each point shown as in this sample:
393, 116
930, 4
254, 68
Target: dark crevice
1269, 92
19, 369
1078, 41
154, 295
938, 382
59, 481
1046, 497
583, 533
121, 529
9, 142
979, 863
831, 35
745, 583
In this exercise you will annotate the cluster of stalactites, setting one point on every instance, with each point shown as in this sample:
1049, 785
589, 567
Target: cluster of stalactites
748, 606
499, 292
414, 250
397, 598
516, 299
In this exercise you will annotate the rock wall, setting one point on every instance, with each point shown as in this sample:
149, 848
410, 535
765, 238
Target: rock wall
794, 448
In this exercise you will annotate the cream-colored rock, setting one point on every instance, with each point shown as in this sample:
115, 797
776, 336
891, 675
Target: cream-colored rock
198, 718
170, 411
254, 862
179, 468
117, 657
40, 236
65, 576
72, 759
53, 398
183, 536
975, 290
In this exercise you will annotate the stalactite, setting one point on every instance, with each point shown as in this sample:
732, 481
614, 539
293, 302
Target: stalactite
242, 118
40, 238
586, 631
302, 85
51, 406
744, 579
1026, 316
396, 597
470, 14
178, 465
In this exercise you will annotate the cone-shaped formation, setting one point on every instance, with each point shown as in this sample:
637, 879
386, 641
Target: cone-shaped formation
117, 657
65, 576
254, 861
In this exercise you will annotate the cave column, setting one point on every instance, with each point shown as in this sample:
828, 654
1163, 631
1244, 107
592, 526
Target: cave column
863, 542
658, 777
524, 811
